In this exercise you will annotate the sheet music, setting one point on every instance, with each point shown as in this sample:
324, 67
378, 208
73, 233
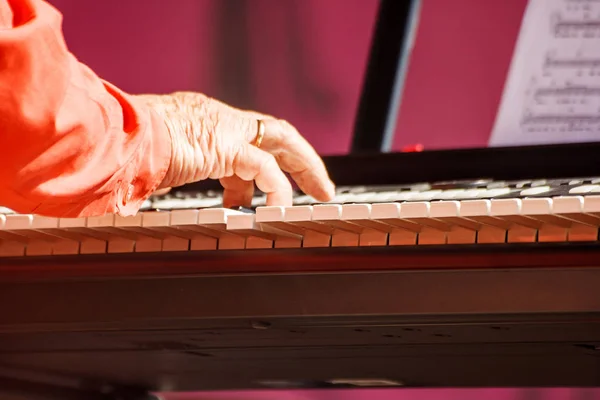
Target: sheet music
552, 92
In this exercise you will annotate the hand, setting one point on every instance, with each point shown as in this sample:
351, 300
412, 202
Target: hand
213, 140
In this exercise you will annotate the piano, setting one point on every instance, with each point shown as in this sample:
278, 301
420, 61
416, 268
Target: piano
454, 268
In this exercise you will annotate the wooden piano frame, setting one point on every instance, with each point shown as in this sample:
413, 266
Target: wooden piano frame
124, 326
526, 315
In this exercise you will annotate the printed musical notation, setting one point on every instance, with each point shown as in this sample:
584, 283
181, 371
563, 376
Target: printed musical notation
552, 93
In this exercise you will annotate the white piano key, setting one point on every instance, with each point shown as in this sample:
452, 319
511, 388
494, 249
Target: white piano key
72, 234
216, 219
270, 214
146, 205
258, 235
351, 212
143, 240
117, 240
462, 230
404, 232
151, 236
583, 189
274, 217
536, 206
535, 190
450, 194
90, 240
572, 207
384, 197
121, 233
494, 192
385, 211
41, 233
245, 225
591, 208
303, 200
326, 212
298, 213
373, 233
171, 228
472, 193
567, 205
344, 234
183, 217
153, 230
156, 219
18, 222
358, 197
11, 244
423, 196
504, 207
591, 205
340, 198
475, 208
554, 228
63, 240
259, 201
102, 221
491, 229
415, 210
173, 238
128, 222
30, 226
586, 225
412, 223
316, 234
202, 237
175, 203
433, 231
444, 209
522, 229
410, 195
170, 203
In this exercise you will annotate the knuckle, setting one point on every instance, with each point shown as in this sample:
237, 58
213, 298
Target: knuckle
238, 153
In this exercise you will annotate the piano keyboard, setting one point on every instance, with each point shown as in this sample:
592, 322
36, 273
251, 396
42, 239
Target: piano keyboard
458, 213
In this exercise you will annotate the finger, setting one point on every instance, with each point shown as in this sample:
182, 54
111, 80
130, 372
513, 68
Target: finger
297, 157
292, 152
237, 192
252, 164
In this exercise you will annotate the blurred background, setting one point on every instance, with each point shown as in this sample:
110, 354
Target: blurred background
303, 60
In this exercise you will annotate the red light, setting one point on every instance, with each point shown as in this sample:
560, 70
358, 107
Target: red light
413, 148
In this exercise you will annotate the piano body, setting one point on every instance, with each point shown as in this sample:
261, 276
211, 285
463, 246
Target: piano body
462, 268
469, 282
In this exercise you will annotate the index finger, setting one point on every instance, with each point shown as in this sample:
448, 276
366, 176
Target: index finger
297, 157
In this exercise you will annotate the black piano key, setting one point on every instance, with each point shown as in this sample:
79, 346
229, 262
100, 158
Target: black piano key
243, 209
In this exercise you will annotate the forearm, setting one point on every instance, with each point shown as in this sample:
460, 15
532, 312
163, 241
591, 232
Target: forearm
72, 144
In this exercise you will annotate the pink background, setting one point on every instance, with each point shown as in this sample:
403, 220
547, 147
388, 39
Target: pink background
303, 60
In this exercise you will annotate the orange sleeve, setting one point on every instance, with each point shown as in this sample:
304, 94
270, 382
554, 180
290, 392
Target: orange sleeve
70, 143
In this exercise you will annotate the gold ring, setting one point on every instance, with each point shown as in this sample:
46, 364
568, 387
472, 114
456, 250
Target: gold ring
260, 134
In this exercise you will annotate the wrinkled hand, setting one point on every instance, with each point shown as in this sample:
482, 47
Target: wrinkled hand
213, 140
